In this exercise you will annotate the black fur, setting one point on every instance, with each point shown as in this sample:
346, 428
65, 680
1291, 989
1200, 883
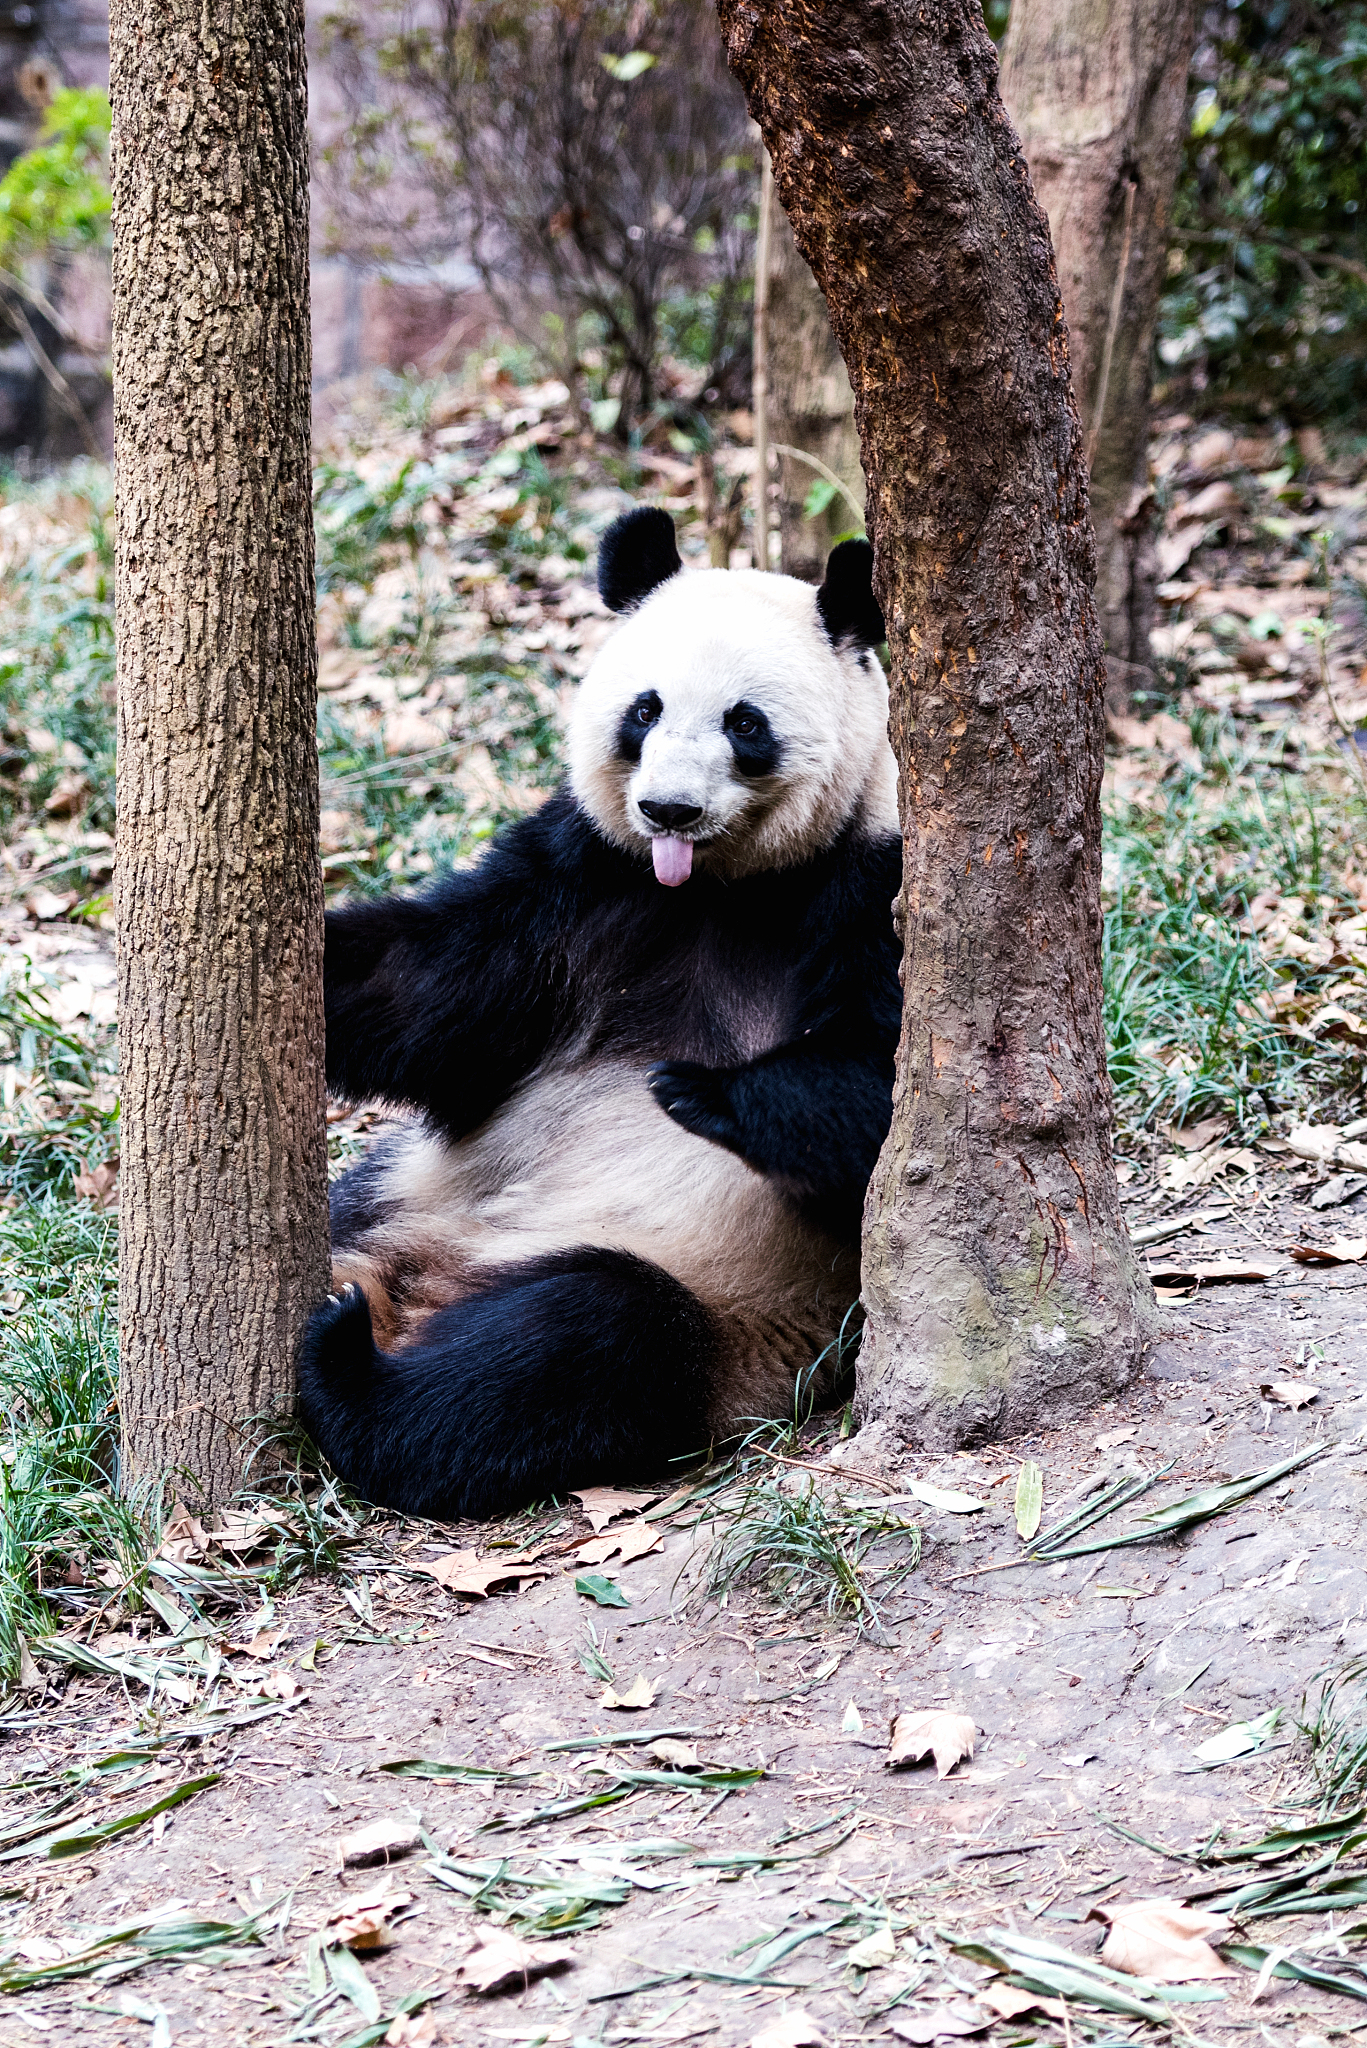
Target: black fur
637, 720
849, 610
591, 1364
755, 745
635, 556
572, 1370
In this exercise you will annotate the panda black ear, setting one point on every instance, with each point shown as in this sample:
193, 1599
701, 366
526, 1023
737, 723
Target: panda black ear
635, 556
846, 603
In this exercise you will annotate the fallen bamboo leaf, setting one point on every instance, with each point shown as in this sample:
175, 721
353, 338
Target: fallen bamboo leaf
1291, 1393
633, 1540
351, 1980
1341, 1251
795, 2029
1179, 1515
378, 1841
502, 1959
1211, 1272
1029, 1500
1241, 1738
76, 1841
1160, 1940
949, 1738
604, 1504
640, 1693
361, 1922
941, 2022
1062, 1974
945, 1499
1254, 1957
166, 1937
465, 1571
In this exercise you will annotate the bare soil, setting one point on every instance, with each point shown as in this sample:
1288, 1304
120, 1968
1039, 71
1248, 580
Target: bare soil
1091, 1684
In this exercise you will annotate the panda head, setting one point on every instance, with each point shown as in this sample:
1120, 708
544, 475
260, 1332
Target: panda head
735, 721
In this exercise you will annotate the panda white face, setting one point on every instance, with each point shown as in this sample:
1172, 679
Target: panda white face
722, 729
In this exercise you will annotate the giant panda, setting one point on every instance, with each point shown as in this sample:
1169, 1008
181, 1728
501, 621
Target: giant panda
649, 1043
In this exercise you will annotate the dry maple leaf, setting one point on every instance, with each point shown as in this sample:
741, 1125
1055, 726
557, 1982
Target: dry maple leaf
360, 1923
632, 1540
380, 1840
465, 1571
603, 1504
504, 1959
1162, 1941
183, 1537
949, 1738
640, 1693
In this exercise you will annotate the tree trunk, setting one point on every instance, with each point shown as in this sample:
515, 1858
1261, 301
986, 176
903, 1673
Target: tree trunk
811, 409
223, 1209
1098, 94
999, 1283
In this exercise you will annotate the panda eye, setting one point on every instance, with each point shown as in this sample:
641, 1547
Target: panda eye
744, 726
645, 714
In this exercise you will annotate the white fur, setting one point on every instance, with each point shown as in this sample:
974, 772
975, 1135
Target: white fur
703, 641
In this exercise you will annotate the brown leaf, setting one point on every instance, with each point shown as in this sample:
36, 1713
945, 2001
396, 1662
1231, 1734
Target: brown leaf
603, 1504
1160, 1940
361, 1922
1341, 1251
242, 1533
949, 1738
1009, 2003
1208, 1272
502, 1960
941, 2022
465, 1571
31, 1678
633, 1540
280, 1685
1291, 1393
678, 1756
43, 906
1113, 1438
264, 1643
99, 1185
412, 2030
183, 1537
640, 1693
379, 1840
793, 2029
1195, 1137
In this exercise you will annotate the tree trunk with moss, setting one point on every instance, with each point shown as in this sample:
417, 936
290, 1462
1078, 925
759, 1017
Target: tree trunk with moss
1097, 90
811, 410
223, 1203
999, 1283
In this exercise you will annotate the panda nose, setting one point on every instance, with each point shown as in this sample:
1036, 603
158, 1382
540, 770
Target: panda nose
672, 816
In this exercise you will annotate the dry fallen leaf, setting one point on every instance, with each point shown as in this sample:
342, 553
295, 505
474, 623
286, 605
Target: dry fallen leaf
1006, 2001
412, 2030
941, 2022
1162, 1941
603, 1504
949, 1738
183, 1537
360, 1923
43, 906
1193, 1272
465, 1571
1341, 1251
280, 1685
944, 1498
242, 1532
380, 1840
640, 1693
501, 1960
99, 1184
1113, 1438
632, 1540
679, 1756
263, 1644
873, 1951
795, 2029
1291, 1393
30, 1677
1195, 1137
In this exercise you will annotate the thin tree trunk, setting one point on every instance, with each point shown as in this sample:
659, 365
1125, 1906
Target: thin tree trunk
811, 410
998, 1278
223, 1212
1098, 95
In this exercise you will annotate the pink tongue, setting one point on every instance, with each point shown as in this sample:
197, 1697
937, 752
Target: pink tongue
673, 860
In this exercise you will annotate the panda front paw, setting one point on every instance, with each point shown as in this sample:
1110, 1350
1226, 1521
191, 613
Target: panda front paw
697, 1097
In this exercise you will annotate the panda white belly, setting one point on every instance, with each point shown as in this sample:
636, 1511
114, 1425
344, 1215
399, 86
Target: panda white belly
583, 1155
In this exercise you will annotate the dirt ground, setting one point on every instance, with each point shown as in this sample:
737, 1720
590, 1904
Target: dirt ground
1091, 1684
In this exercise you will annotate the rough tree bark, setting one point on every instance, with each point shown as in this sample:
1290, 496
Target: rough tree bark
998, 1278
223, 1210
811, 408
1097, 90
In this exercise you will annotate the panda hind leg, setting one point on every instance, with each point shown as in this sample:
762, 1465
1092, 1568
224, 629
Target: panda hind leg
569, 1370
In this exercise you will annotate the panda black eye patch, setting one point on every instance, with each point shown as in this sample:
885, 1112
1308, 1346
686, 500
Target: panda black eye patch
754, 744
637, 719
